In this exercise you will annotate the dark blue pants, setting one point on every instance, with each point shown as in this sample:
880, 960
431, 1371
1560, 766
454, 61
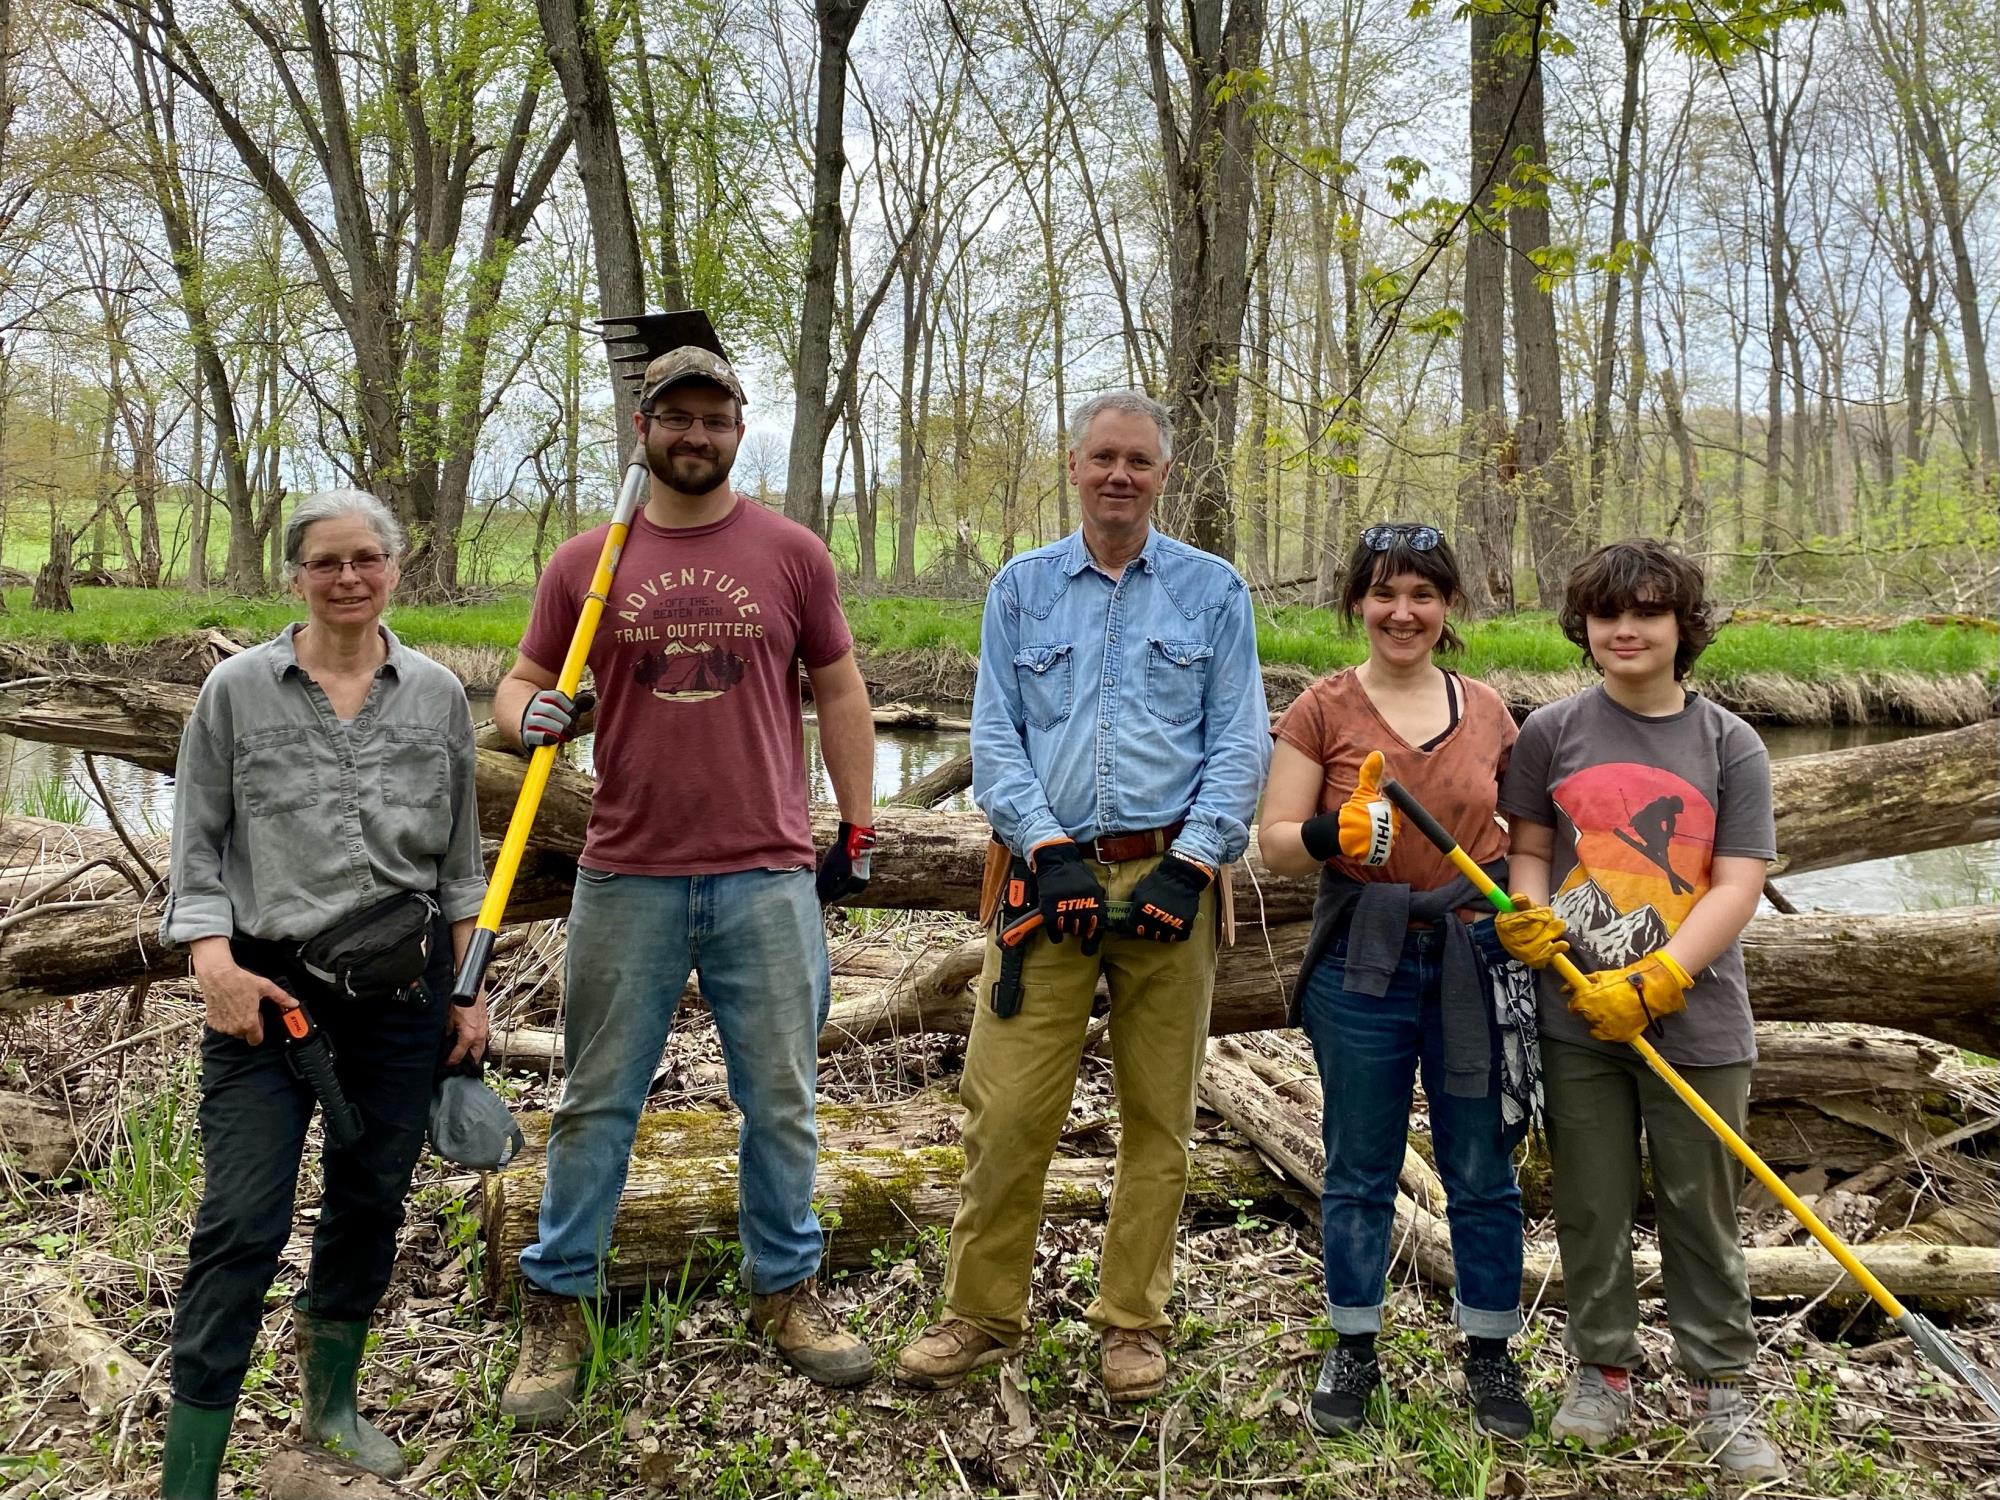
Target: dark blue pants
1369, 1048
254, 1114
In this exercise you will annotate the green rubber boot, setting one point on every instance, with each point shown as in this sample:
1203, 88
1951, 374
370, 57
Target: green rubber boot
192, 1463
329, 1366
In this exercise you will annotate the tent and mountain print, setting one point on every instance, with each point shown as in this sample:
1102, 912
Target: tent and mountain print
1645, 842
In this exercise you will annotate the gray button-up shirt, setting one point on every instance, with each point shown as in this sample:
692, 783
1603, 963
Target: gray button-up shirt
286, 819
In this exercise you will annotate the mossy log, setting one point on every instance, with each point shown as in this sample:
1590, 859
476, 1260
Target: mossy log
885, 1174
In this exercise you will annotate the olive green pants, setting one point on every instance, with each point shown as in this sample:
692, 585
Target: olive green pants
1020, 1074
1597, 1102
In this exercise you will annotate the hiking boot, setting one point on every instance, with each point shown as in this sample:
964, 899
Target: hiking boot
945, 1353
809, 1336
1594, 1411
1729, 1431
1132, 1362
1499, 1402
191, 1458
1347, 1378
329, 1371
553, 1341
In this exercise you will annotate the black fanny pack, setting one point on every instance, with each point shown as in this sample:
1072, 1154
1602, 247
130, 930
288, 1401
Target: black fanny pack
378, 952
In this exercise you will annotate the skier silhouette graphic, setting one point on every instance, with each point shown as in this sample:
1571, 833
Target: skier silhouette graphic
1654, 825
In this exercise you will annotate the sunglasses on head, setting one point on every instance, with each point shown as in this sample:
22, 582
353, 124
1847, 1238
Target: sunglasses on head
1382, 538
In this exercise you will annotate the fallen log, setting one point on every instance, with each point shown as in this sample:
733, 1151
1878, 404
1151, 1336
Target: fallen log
1929, 791
1804, 1064
1933, 791
884, 1175
1931, 973
941, 785
37, 1137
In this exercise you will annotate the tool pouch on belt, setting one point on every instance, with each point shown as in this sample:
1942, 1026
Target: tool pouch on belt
376, 954
1019, 900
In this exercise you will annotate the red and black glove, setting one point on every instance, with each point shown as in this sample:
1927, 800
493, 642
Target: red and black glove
1166, 902
843, 869
1072, 900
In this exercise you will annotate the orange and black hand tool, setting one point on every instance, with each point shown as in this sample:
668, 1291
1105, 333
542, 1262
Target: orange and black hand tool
310, 1057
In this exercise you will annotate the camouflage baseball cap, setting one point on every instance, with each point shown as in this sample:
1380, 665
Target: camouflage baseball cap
689, 362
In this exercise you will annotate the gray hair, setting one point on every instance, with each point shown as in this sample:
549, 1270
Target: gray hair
1137, 402
326, 505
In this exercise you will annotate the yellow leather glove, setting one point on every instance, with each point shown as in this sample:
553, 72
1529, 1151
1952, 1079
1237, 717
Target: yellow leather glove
1369, 822
1618, 1004
1531, 933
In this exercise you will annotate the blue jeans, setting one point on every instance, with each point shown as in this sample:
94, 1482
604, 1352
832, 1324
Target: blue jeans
756, 940
1368, 1048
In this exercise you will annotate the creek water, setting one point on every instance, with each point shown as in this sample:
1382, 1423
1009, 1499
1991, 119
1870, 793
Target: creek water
37, 779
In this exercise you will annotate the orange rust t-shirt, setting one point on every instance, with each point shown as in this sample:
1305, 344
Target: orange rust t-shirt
1336, 723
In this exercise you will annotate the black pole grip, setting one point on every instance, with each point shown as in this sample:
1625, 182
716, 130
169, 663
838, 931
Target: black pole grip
472, 971
1417, 813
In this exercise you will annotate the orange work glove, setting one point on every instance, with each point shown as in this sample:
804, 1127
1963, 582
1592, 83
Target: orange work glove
1618, 1004
1369, 823
1531, 933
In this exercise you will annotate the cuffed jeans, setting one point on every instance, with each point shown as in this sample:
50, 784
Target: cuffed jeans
1598, 1100
1020, 1074
254, 1114
1369, 1048
756, 940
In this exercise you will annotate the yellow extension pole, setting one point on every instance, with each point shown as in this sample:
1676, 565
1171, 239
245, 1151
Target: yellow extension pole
507, 863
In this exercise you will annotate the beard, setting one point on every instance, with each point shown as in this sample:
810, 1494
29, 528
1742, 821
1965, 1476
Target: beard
688, 473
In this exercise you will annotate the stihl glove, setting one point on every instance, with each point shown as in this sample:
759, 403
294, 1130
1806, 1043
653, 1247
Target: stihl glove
1166, 902
1531, 933
1072, 900
1618, 1004
1364, 827
843, 869
550, 717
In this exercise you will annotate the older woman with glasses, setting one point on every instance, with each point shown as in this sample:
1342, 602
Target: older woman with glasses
326, 874
1397, 979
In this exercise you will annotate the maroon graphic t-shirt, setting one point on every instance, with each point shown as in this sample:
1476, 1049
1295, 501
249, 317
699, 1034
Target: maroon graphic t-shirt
700, 748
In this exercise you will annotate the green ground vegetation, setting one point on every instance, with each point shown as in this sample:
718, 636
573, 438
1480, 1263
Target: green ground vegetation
1299, 635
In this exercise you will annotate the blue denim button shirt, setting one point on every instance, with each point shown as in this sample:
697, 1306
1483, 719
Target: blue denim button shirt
1109, 706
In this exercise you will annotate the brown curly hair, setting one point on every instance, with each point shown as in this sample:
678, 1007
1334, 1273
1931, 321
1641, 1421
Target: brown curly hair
1639, 573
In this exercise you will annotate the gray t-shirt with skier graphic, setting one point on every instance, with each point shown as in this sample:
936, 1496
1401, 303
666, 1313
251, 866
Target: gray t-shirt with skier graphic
1641, 807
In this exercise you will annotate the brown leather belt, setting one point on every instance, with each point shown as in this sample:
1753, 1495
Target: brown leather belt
1116, 848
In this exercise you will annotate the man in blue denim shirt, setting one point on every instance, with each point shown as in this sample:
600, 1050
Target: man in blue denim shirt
1119, 741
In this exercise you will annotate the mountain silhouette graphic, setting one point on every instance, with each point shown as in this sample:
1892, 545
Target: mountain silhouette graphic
1603, 937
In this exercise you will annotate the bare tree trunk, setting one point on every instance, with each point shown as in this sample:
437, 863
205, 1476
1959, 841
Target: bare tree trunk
1208, 166
1632, 31
1542, 440
811, 416
1485, 529
570, 30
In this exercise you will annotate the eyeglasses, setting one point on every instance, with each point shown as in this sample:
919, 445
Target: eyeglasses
365, 565
680, 421
1382, 538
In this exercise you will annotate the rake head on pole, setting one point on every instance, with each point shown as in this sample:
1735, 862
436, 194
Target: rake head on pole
1932, 1343
649, 335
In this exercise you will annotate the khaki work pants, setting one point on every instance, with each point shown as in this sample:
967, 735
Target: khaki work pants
1597, 1103
1020, 1074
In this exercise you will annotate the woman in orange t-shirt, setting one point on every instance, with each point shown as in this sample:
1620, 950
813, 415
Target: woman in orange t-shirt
1396, 978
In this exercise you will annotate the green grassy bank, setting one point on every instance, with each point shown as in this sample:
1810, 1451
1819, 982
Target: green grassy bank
1290, 635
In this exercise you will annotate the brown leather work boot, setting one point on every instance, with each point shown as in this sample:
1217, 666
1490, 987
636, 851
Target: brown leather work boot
1133, 1363
809, 1336
945, 1353
552, 1346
